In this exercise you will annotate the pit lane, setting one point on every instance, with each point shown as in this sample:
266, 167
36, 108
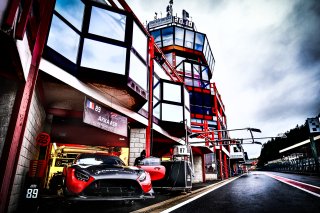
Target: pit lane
58, 204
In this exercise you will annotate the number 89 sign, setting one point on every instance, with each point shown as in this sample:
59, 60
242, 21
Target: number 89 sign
32, 193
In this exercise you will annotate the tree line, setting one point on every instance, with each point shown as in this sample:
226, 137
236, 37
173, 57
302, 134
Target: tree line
270, 150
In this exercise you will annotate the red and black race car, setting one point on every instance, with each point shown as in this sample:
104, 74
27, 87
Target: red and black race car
95, 176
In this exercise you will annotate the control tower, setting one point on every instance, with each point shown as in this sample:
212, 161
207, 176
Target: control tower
190, 53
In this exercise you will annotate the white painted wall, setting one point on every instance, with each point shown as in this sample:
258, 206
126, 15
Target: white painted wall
29, 150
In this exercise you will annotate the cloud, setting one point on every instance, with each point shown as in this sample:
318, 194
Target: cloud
305, 20
267, 56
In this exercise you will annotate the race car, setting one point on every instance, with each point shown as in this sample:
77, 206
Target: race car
95, 176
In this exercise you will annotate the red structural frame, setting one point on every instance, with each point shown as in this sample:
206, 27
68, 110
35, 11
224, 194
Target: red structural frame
14, 141
150, 103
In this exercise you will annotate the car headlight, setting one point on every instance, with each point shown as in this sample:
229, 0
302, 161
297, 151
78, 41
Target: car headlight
142, 176
81, 176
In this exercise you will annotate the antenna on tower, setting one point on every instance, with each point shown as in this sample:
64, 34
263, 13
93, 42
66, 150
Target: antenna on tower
169, 8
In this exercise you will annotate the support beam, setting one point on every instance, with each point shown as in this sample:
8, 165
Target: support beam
150, 103
221, 163
12, 10
22, 25
225, 166
14, 141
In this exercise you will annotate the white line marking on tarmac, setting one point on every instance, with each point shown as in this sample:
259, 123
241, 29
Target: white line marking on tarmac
196, 197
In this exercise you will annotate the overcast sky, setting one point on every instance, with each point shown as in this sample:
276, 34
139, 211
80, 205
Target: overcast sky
267, 56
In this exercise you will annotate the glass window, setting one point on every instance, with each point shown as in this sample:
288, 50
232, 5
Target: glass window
63, 39
188, 81
209, 59
207, 110
207, 51
155, 101
157, 37
167, 36
138, 71
204, 73
189, 39
187, 69
179, 59
114, 23
207, 100
180, 69
187, 116
205, 46
195, 98
169, 58
199, 42
72, 10
212, 63
159, 71
179, 36
212, 69
139, 41
156, 91
212, 123
156, 111
173, 113
210, 163
197, 83
205, 84
172, 92
196, 71
196, 109
206, 57
196, 128
102, 56
209, 56
186, 98
196, 120
146, 106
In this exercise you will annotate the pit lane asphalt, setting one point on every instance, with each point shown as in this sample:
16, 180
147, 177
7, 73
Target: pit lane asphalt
56, 204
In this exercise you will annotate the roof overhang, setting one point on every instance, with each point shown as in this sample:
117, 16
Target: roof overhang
298, 144
109, 101
199, 150
223, 149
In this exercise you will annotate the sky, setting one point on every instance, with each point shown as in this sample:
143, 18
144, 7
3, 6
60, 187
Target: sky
267, 55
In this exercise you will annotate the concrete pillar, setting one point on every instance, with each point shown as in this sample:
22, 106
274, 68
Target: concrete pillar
197, 169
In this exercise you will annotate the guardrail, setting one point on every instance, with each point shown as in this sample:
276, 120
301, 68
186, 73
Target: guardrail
304, 165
